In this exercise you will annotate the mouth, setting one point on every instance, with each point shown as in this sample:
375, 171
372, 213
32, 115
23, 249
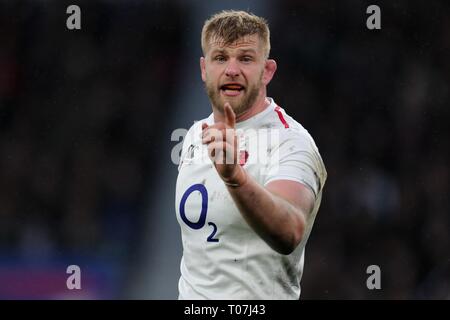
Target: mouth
231, 89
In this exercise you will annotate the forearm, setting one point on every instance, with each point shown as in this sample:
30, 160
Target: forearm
280, 224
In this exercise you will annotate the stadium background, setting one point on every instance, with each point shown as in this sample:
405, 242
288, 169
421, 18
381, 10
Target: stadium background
85, 142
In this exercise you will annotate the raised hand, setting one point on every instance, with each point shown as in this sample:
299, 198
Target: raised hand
222, 145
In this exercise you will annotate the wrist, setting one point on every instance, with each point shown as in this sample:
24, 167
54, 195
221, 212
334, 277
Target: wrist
238, 179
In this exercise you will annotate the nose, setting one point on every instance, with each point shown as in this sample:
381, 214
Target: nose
232, 69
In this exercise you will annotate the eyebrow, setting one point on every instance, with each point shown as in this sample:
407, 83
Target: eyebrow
215, 51
247, 50
223, 51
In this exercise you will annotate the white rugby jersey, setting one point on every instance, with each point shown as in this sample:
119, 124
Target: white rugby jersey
223, 258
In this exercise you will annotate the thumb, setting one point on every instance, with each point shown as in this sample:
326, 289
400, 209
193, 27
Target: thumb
230, 117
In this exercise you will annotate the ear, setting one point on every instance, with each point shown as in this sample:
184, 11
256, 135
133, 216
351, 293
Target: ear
203, 68
269, 70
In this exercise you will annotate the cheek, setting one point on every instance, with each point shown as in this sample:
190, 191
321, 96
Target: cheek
264, 77
256, 78
209, 72
258, 75
210, 75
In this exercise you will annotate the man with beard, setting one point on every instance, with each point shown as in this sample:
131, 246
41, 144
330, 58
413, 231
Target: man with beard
250, 177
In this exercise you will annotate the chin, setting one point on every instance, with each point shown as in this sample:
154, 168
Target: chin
235, 105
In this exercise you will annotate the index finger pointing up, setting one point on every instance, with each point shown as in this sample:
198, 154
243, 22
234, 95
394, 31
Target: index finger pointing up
230, 117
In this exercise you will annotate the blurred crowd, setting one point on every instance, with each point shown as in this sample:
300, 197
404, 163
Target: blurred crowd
377, 103
80, 121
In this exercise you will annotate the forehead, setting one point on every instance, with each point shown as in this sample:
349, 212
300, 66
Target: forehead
247, 42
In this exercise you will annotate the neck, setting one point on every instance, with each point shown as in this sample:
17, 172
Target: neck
259, 106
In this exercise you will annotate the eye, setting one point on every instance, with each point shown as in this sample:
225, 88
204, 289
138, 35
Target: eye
219, 58
247, 59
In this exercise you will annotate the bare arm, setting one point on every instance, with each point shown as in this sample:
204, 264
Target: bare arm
278, 211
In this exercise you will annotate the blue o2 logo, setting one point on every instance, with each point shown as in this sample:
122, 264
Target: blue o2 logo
202, 218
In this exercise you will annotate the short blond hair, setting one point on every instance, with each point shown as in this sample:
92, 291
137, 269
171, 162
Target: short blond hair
230, 25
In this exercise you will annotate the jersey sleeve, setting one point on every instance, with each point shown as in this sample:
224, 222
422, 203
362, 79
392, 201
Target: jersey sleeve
297, 158
187, 140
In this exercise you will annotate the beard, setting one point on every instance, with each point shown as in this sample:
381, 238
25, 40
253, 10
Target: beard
239, 106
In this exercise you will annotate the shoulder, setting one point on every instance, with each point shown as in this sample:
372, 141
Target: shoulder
290, 130
296, 143
193, 133
191, 140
